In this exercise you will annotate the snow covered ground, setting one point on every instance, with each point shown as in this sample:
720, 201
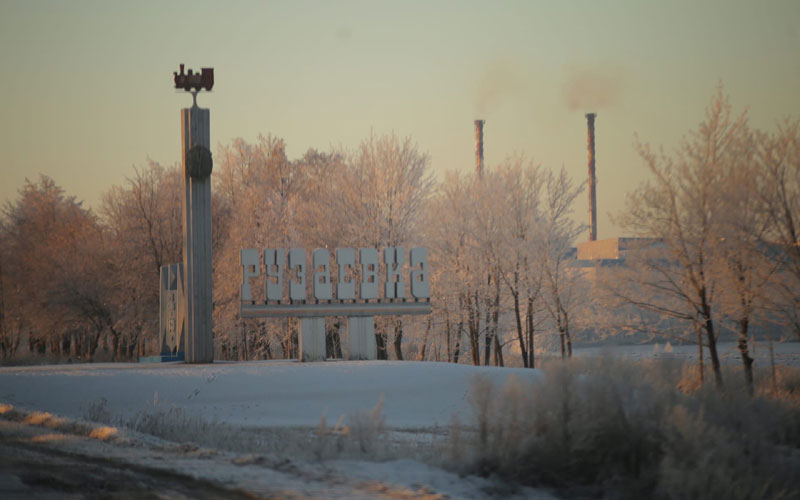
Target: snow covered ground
231, 430
260, 393
277, 399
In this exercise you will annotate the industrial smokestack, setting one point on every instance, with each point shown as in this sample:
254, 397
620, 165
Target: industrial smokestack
479, 147
592, 179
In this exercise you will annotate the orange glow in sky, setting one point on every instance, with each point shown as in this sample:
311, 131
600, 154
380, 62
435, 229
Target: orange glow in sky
86, 86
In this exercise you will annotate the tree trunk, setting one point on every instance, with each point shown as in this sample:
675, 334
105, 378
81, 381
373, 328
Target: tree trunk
772, 369
380, 343
244, 355
457, 349
529, 323
447, 327
473, 323
567, 335
92, 344
520, 338
487, 337
498, 349
700, 353
398, 339
425, 340
381, 340
708, 326
747, 360
498, 352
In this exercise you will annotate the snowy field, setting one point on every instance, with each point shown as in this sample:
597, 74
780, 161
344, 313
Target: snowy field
259, 394
278, 399
277, 429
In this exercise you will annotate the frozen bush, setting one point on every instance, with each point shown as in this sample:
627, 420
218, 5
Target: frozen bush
614, 428
366, 428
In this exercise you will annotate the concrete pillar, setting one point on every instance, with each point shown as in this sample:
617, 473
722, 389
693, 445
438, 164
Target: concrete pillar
195, 131
312, 339
361, 331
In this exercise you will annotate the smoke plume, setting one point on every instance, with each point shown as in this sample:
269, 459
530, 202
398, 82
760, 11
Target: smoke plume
501, 80
592, 88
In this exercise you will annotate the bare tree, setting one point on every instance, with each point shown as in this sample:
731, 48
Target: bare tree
682, 208
143, 224
779, 157
562, 283
519, 201
261, 191
745, 268
459, 271
380, 197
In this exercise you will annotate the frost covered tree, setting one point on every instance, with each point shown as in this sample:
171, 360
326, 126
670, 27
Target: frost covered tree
521, 186
447, 232
684, 207
455, 252
261, 191
490, 242
143, 222
747, 266
564, 288
779, 191
54, 259
378, 202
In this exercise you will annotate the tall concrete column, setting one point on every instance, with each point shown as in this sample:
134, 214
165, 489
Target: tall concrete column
196, 141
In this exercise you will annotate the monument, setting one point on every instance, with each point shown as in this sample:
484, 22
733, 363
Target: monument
311, 295
186, 288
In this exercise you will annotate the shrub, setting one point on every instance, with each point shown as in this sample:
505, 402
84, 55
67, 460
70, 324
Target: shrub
615, 428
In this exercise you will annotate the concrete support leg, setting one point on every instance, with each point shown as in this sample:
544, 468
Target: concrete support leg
361, 331
312, 339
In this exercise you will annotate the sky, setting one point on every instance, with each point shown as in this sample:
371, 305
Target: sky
86, 90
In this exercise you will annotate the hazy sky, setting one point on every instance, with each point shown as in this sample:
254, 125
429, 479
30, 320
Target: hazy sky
86, 88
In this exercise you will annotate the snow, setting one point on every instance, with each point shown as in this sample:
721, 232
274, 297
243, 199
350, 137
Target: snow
417, 398
420, 478
418, 403
259, 393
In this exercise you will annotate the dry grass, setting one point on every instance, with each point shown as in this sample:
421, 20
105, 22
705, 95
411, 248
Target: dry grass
622, 429
360, 435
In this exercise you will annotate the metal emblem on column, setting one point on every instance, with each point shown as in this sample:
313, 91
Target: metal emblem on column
197, 166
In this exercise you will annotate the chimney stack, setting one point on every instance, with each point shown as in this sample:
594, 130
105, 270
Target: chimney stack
479, 147
592, 179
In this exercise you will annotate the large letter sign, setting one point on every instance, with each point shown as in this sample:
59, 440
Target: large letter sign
322, 279
297, 262
369, 273
394, 258
273, 261
346, 260
356, 294
420, 287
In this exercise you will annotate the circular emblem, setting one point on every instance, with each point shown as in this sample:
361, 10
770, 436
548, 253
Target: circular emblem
199, 162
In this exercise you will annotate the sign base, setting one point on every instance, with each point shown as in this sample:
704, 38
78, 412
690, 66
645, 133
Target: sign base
163, 358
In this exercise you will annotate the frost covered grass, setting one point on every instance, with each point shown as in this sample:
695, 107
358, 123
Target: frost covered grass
622, 429
362, 434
